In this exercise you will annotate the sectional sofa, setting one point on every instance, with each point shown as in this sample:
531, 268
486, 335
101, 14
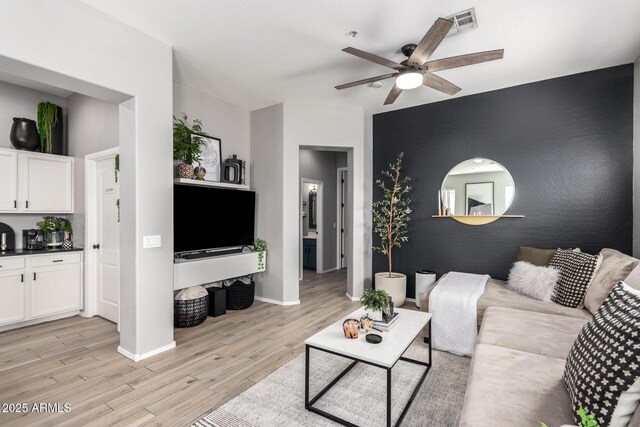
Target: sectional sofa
518, 363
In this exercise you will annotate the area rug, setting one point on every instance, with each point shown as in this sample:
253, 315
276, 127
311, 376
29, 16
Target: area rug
359, 397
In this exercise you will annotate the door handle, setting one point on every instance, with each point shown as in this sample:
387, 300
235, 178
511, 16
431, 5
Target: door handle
57, 260
34, 276
22, 278
26, 204
96, 246
15, 204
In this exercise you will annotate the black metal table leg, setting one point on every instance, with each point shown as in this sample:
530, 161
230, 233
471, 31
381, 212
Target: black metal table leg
306, 376
388, 397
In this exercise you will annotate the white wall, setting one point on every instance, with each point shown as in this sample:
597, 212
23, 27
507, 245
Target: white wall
220, 119
92, 54
636, 158
267, 173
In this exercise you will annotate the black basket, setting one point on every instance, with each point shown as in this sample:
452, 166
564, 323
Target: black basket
192, 312
240, 295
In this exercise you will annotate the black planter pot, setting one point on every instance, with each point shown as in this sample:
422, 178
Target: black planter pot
24, 134
57, 137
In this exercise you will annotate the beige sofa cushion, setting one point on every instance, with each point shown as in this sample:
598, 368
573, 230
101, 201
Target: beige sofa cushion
514, 388
497, 294
633, 279
615, 267
539, 333
535, 256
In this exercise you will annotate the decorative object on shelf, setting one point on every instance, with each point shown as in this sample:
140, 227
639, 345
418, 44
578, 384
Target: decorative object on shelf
260, 246
24, 134
188, 143
233, 170
116, 160
350, 328
373, 338
391, 217
200, 172
211, 157
375, 302
388, 313
366, 323
54, 229
50, 128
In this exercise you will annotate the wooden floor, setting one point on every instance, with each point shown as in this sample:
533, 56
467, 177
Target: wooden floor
75, 361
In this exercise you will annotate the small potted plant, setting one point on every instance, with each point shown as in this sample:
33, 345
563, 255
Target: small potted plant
390, 218
54, 229
49, 125
375, 302
260, 246
187, 144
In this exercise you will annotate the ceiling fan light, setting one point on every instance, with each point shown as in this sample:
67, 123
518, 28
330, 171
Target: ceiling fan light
409, 80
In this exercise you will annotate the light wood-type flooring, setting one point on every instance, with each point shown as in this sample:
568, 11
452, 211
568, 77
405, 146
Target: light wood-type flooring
75, 361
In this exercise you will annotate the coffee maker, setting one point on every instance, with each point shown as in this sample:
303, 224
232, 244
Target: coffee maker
33, 239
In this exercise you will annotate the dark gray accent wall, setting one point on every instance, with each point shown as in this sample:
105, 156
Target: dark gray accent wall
567, 142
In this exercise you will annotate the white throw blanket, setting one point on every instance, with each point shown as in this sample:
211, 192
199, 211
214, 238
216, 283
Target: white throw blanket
454, 306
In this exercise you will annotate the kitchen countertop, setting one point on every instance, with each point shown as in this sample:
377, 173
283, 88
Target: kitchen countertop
23, 252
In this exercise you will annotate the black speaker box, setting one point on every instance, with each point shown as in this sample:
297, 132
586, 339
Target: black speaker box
217, 301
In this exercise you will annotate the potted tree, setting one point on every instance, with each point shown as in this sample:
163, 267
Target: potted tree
390, 218
187, 144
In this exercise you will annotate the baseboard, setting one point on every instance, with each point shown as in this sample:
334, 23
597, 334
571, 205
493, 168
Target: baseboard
352, 298
273, 301
38, 320
139, 357
329, 269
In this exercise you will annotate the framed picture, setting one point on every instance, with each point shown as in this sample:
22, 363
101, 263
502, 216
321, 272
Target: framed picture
211, 157
479, 198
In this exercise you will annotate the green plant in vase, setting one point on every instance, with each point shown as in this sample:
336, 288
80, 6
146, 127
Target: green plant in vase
47, 120
375, 302
260, 246
54, 229
187, 144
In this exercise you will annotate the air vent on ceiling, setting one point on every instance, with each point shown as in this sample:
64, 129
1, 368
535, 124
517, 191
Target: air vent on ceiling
463, 21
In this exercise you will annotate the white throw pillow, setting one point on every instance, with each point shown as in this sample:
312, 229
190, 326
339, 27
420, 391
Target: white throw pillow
533, 281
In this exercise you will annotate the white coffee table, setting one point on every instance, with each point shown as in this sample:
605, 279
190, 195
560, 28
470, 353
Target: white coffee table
384, 355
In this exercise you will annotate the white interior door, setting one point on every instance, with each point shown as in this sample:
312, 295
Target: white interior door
108, 241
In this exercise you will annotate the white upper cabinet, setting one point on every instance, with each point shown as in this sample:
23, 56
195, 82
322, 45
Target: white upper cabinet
8, 180
37, 183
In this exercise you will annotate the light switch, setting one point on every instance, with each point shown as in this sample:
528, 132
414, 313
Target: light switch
151, 241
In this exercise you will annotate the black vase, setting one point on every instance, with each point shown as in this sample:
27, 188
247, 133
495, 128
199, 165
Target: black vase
24, 134
57, 136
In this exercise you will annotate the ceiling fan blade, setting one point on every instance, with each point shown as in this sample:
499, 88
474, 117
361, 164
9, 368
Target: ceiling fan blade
373, 58
365, 81
464, 60
430, 42
438, 83
393, 95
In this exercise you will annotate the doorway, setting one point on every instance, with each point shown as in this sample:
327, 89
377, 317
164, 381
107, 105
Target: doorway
341, 215
103, 235
311, 225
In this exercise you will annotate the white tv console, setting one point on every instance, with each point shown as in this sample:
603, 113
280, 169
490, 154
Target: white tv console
200, 271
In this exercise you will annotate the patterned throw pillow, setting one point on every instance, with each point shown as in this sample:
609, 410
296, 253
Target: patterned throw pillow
576, 272
602, 373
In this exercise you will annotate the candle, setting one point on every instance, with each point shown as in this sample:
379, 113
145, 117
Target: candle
4, 241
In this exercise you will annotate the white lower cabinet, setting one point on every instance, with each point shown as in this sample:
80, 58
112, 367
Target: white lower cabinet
12, 290
55, 289
36, 288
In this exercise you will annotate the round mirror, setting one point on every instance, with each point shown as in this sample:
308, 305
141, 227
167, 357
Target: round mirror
477, 187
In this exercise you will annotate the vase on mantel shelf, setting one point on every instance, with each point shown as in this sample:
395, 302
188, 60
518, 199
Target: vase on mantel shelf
185, 170
24, 134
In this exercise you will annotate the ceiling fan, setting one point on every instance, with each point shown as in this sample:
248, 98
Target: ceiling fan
417, 70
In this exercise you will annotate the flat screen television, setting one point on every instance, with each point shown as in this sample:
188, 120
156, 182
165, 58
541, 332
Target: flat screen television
212, 218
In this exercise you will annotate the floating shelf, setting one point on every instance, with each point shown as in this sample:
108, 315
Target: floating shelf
184, 181
476, 219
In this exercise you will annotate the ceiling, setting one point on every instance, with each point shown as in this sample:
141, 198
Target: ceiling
256, 53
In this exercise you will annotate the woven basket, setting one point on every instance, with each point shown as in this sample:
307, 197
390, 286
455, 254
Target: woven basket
187, 313
240, 295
